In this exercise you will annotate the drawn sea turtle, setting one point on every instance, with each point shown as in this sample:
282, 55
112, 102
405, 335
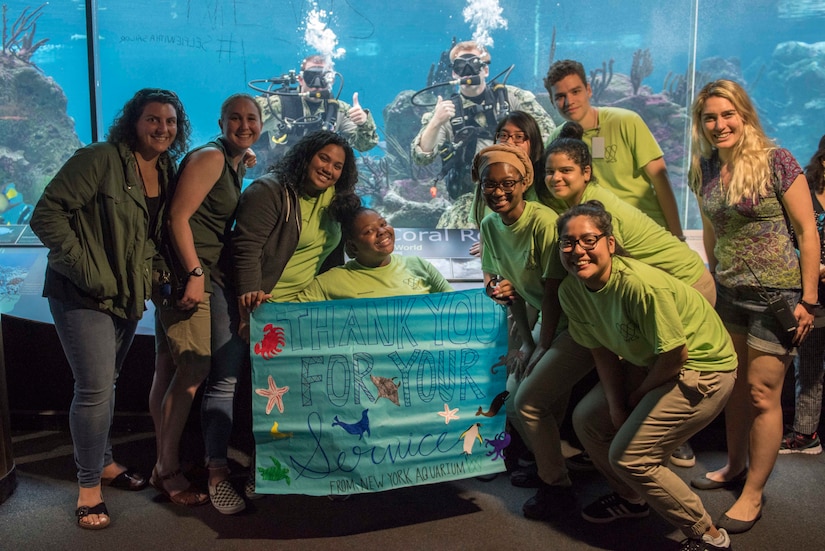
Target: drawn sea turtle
276, 472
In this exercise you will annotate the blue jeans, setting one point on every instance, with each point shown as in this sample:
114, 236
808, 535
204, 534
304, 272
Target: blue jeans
95, 344
228, 354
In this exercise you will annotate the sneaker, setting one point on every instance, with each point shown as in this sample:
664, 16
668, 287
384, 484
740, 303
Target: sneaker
580, 463
683, 456
225, 499
249, 486
612, 507
796, 442
705, 543
549, 502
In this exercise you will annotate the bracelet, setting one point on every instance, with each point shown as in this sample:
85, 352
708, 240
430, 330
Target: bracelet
808, 306
488, 289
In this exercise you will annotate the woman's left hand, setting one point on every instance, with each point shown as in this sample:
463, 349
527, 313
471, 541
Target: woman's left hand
805, 323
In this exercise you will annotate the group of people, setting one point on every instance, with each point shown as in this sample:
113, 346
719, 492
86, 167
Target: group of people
580, 239
123, 224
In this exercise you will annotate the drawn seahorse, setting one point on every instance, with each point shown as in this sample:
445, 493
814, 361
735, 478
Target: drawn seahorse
495, 405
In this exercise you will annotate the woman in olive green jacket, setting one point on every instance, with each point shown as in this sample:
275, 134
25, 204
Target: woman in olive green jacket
100, 219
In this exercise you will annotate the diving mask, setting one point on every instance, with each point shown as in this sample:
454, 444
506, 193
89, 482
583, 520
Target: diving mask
316, 77
468, 65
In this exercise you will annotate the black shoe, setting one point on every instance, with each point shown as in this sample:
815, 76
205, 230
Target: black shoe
705, 483
734, 526
549, 502
683, 456
580, 463
613, 507
526, 477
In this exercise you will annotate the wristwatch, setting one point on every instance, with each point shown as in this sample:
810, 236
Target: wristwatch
810, 307
197, 272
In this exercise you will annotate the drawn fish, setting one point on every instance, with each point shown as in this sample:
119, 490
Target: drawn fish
358, 428
470, 436
495, 405
387, 388
277, 434
276, 472
501, 441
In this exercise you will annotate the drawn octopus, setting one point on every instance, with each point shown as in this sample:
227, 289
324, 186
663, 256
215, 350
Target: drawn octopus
272, 344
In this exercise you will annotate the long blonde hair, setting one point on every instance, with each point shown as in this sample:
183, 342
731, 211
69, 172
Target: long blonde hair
750, 161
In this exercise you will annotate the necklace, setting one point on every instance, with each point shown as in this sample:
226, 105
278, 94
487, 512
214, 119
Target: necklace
140, 175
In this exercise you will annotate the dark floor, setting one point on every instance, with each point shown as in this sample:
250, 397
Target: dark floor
467, 514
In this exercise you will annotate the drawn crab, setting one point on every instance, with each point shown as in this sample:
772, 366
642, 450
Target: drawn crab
272, 344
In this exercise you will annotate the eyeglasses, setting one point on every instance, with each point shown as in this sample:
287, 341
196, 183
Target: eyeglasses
505, 186
517, 139
586, 242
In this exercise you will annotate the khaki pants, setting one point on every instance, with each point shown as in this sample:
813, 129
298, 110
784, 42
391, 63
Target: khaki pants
538, 403
633, 458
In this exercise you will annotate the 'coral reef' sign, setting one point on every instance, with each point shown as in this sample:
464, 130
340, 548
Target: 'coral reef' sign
367, 395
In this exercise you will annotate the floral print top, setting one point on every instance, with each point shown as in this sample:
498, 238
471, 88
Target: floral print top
752, 233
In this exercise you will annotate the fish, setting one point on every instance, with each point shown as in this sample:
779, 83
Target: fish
495, 405
387, 388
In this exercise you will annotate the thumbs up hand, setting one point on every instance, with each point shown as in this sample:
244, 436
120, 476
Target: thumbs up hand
356, 113
444, 111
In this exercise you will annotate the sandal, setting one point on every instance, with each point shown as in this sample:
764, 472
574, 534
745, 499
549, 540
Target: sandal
84, 511
127, 480
190, 497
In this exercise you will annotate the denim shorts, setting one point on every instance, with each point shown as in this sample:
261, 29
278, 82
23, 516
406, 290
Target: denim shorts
744, 311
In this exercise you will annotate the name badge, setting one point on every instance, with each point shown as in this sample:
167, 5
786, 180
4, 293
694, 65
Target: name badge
597, 147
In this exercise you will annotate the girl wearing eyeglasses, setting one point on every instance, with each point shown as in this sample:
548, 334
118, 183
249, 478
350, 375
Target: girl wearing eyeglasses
519, 244
666, 367
569, 178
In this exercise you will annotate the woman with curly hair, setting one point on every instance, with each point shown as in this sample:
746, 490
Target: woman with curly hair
289, 221
100, 217
810, 364
747, 187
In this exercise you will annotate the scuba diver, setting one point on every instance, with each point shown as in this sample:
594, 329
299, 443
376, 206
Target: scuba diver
297, 104
464, 124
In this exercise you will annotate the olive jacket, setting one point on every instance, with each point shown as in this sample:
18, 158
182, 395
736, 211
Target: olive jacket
93, 219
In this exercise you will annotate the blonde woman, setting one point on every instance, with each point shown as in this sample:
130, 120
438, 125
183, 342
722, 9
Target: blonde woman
745, 186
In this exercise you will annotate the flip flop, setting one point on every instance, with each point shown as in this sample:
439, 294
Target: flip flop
84, 511
129, 479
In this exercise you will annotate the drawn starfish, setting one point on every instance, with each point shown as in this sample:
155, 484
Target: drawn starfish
274, 395
448, 414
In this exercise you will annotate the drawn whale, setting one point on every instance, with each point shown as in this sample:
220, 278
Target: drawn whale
495, 405
358, 428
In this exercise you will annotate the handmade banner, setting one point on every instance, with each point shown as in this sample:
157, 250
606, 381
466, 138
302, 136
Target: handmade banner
367, 395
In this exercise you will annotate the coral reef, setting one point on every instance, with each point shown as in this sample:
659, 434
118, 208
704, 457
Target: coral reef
20, 42
641, 68
443, 70
36, 133
792, 82
675, 87
600, 80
